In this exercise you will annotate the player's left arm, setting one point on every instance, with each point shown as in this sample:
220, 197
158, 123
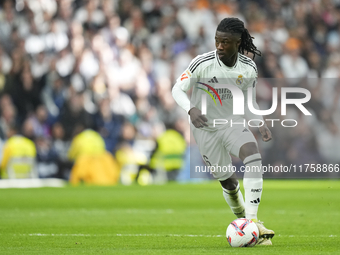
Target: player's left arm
264, 130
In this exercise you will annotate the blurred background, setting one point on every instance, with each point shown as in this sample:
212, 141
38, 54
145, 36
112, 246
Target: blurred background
85, 86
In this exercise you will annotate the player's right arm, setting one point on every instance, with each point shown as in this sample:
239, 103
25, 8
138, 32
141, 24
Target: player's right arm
179, 90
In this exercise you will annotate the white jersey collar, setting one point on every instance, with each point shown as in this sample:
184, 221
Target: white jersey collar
221, 64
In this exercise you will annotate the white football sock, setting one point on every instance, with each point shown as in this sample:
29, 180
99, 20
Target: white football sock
234, 199
252, 182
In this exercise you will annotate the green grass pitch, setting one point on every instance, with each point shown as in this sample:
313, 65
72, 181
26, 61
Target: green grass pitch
168, 219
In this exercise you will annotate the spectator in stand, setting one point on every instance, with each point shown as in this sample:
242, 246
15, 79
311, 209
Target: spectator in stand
8, 116
93, 164
76, 57
18, 157
109, 125
73, 116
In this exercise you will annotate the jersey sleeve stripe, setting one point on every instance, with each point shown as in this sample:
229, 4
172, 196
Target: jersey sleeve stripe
200, 58
206, 59
249, 63
244, 57
247, 59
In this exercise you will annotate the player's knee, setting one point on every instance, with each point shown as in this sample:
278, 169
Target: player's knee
248, 149
229, 184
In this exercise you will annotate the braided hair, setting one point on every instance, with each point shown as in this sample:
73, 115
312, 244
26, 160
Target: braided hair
236, 26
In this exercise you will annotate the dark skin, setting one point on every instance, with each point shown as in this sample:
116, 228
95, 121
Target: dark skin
227, 45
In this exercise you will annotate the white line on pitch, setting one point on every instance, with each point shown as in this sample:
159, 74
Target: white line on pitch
169, 235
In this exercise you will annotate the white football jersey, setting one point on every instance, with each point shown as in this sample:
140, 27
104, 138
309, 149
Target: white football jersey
204, 73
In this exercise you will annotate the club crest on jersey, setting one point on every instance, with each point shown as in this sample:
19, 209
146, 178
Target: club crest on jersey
239, 80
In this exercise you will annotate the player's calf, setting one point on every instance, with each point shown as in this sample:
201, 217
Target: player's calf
233, 196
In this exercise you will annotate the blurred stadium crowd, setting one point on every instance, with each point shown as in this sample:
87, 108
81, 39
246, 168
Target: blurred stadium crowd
109, 65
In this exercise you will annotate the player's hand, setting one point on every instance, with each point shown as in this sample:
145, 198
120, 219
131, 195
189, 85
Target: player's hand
265, 132
197, 118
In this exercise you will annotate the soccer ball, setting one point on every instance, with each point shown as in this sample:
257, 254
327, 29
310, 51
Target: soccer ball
242, 233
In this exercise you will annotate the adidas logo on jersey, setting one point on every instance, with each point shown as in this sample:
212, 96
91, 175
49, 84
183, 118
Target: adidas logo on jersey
256, 201
245, 130
213, 80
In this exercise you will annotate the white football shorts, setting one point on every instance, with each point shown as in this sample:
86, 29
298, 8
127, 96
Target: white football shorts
216, 147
